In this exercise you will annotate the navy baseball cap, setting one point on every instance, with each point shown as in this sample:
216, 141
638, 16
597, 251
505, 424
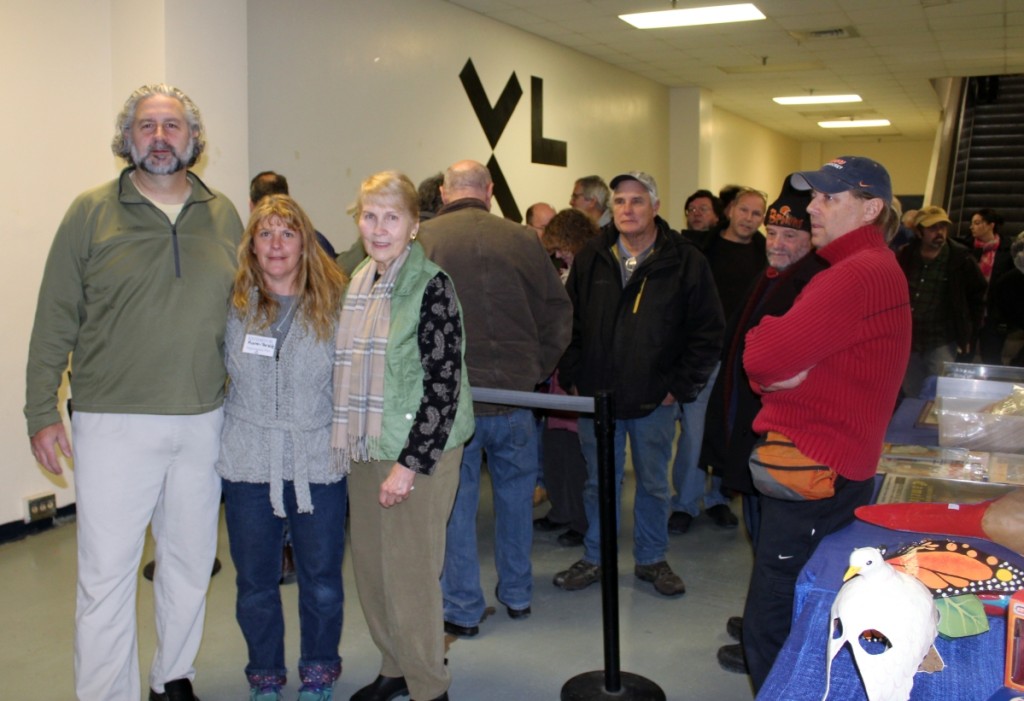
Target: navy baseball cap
847, 173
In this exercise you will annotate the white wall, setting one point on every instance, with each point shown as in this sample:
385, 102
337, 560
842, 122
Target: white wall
327, 91
55, 143
340, 90
70, 67
750, 155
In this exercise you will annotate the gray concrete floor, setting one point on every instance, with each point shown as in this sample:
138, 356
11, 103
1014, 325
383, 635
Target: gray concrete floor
671, 642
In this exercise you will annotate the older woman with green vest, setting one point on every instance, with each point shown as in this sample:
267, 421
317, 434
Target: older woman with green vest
402, 412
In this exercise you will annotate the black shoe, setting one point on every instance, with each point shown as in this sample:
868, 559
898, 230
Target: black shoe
570, 539
514, 614
177, 690
382, 689
545, 524
679, 522
734, 627
732, 659
722, 516
461, 631
150, 569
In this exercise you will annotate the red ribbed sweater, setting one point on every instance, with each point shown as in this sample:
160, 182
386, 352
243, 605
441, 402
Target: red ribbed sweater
851, 327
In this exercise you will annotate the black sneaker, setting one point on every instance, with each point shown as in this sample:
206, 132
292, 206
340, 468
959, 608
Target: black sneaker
732, 659
723, 517
570, 539
734, 627
579, 576
545, 524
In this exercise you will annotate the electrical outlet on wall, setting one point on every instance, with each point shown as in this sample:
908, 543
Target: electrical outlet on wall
40, 506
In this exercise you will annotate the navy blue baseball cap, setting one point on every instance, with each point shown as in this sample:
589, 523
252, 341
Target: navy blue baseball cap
847, 173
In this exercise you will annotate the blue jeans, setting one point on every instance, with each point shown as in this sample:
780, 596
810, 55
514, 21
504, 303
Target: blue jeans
650, 440
688, 477
256, 536
510, 442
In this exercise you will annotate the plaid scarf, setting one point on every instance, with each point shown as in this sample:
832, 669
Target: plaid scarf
360, 347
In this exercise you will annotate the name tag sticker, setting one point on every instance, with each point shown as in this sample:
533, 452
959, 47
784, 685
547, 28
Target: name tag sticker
259, 345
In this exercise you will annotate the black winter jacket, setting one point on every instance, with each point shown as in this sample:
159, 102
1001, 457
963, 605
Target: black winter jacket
660, 334
965, 298
733, 402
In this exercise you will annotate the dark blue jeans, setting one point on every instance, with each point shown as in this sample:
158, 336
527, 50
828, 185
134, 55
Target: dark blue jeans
256, 536
510, 442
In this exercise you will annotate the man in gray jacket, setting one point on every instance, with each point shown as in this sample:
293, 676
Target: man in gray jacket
136, 288
518, 319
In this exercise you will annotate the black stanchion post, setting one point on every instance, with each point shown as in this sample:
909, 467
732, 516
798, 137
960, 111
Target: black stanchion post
612, 684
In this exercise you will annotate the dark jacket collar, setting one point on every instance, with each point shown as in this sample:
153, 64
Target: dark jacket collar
463, 203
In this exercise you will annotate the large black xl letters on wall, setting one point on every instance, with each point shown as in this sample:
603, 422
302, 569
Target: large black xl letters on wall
494, 119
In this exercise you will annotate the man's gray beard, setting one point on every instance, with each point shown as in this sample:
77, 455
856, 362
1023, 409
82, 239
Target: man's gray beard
172, 166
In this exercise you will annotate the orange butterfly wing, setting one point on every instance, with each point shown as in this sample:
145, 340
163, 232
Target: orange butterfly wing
952, 569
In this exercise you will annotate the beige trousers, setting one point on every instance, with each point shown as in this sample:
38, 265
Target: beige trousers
397, 556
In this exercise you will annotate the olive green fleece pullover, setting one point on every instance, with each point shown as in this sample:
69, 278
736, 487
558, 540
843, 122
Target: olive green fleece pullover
139, 301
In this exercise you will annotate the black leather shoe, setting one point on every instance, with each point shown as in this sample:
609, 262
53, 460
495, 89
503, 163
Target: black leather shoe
177, 690
570, 539
518, 614
679, 522
546, 524
732, 659
723, 517
734, 627
460, 631
382, 689
514, 614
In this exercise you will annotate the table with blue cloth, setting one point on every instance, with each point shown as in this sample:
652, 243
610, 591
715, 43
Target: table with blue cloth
973, 665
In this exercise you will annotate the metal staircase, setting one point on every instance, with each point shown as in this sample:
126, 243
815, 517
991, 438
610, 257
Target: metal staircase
988, 161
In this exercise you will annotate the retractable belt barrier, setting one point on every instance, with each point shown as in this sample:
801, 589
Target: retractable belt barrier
610, 684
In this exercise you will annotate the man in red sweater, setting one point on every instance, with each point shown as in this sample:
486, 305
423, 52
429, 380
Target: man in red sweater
829, 371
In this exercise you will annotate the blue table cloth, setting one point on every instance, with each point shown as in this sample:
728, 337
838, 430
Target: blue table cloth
974, 665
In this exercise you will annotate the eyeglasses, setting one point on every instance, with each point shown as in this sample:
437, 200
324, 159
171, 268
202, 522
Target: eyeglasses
700, 210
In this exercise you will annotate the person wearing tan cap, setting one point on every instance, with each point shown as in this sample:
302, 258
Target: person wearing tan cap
947, 297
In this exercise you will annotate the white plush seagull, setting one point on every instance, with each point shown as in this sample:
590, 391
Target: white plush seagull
883, 602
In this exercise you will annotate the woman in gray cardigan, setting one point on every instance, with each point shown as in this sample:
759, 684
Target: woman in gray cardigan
275, 447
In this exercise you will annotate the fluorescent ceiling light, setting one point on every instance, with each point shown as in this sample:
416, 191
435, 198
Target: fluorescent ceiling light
853, 123
693, 16
815, 99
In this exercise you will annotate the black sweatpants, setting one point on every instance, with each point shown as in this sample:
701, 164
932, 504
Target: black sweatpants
788, 535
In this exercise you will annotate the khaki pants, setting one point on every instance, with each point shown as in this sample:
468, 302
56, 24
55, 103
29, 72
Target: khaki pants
397, 556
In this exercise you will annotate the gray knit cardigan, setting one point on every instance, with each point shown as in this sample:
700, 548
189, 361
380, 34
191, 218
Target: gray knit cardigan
271, 400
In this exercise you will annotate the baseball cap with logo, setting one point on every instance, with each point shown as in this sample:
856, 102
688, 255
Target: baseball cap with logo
930, 216
643, 178
790, 209
847, 173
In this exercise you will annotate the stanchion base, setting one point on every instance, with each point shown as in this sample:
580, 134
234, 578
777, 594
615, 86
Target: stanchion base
589, 686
